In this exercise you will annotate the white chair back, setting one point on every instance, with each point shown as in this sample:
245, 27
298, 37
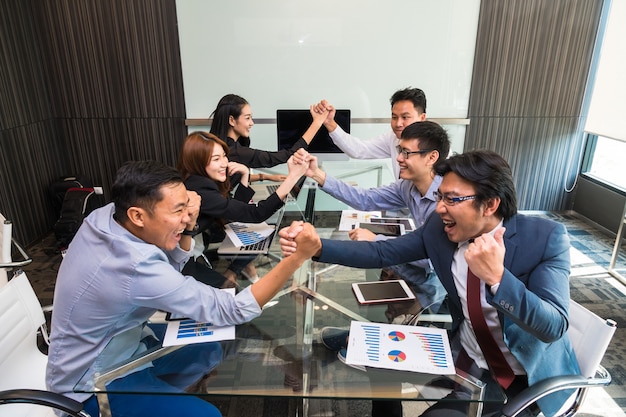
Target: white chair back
22, 364
590, 336
7, 243
6, 232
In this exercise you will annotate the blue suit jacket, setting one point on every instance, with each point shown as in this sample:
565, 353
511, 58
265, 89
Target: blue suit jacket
532, 299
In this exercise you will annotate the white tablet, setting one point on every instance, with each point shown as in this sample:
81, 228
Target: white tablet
382, 291
387, 229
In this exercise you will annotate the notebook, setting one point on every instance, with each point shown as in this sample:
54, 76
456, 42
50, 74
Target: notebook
228, 248
264, 190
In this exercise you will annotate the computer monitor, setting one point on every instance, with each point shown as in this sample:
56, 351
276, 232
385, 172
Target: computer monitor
291, 125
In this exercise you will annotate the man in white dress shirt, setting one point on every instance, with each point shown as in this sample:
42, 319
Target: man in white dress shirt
407, 106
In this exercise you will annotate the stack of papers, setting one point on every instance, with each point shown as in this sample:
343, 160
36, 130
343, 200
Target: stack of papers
350, 219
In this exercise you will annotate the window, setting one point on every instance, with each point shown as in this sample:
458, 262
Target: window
605, 160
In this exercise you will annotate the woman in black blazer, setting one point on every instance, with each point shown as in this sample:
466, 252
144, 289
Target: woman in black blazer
205, 167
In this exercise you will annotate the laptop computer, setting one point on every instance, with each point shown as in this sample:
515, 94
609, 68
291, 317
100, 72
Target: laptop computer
263, 190
228, 247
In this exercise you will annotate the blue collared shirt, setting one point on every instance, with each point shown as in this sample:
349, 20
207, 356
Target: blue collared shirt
109, 284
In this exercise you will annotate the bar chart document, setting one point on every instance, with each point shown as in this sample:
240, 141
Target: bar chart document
184, 331
187, 331
399, 347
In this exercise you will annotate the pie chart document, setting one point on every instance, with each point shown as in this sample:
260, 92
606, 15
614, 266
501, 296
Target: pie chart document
404, 348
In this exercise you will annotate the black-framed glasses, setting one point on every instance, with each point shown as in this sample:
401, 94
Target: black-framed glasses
450, 201
406, 153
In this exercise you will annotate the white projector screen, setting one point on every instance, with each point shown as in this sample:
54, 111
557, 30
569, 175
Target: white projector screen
606, 109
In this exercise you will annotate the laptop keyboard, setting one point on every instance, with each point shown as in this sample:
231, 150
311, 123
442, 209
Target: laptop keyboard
272, 188
254, 246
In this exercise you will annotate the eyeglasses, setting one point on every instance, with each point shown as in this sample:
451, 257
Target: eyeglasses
406, 154
450, 201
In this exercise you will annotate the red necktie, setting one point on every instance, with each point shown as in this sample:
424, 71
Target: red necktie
493, 355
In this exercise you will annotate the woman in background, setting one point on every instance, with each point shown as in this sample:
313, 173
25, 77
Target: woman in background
205, 167
232, 121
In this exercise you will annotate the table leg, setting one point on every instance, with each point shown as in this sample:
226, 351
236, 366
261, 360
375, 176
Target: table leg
478, 392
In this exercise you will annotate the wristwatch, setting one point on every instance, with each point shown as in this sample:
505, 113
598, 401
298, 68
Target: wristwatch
191, 232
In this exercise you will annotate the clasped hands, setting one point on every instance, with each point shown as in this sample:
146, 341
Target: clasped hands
484, 256
300, 237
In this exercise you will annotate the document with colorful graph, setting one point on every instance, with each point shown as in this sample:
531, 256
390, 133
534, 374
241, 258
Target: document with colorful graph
187, 331
404, 348
184, 331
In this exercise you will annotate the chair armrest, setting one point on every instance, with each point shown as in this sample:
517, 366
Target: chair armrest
25, 261
550, 385
46, 398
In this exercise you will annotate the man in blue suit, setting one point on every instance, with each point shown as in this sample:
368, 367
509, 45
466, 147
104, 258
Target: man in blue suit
522, 264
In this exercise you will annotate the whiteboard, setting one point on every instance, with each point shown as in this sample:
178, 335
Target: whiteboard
354, 53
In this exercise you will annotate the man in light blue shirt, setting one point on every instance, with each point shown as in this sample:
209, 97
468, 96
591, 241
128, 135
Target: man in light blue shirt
422, 144
123, 265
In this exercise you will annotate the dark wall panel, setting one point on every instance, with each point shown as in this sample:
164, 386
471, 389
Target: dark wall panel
28, 160
117, 79
112, 58
98, 147
85, 86
30, 150
23, 97
530, 71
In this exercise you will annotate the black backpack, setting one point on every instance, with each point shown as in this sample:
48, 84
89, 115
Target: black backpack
74, 209
73, 198
59, 187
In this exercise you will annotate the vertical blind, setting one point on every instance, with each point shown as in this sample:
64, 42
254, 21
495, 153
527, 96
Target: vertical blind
608, 101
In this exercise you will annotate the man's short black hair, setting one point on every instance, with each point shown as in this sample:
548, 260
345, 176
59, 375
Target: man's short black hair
489, 173
138, 184
414, 95
430, 135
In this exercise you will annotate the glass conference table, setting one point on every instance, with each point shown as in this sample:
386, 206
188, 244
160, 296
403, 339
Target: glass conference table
279, 354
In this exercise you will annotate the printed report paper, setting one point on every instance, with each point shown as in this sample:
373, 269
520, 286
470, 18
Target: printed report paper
350, 219
185, 331
400, 347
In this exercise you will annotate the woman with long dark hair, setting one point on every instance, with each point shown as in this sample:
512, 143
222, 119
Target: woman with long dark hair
205, 167
232, 121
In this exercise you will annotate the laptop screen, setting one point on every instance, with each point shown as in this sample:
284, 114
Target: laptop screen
291, 125
295, 191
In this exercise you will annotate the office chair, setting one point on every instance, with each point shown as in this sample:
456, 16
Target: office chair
590, 336
6, 245
22, 364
